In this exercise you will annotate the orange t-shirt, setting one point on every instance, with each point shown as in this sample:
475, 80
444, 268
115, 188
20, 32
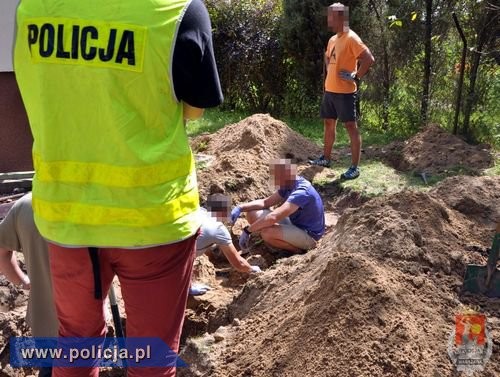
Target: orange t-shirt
342, 55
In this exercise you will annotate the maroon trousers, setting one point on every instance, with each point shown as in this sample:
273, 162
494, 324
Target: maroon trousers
154, 283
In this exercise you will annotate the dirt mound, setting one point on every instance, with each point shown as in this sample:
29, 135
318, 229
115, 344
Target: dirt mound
242, 152
203, 271
378, 297
433, 150
478, 198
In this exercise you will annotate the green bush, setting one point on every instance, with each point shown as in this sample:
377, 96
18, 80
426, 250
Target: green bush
304, 36
485, 120
270, 58
249, 53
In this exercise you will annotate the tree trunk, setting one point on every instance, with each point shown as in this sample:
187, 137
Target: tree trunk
387, 89
483, 37
386, 77
471, 95
462, 71
424, 109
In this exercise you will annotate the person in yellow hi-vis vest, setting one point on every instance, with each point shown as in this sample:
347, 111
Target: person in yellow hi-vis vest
107, 86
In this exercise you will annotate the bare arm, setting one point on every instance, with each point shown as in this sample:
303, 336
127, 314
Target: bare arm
286, 209
235, 259
11, 270
261, 203
365, 60
191, 112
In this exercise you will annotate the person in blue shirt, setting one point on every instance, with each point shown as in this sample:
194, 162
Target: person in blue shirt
298, 220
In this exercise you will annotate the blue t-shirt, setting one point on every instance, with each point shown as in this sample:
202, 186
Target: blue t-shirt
311, 215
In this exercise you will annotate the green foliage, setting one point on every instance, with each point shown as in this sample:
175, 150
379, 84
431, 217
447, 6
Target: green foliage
444, 80
249, 53
298, 101
304, 36
270, 58
485, 120
405, 99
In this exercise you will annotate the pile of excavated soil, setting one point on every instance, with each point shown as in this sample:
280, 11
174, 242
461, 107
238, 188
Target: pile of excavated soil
377, 297
209, 311
242, 154
434, 150
476, 197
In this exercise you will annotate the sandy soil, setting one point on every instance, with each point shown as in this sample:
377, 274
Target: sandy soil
242, 154
377, 297
434, 150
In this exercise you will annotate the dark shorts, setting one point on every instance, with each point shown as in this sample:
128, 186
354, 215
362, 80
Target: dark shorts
339, 106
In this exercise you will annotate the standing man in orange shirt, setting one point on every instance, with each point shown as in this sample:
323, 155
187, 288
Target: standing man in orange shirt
347, 60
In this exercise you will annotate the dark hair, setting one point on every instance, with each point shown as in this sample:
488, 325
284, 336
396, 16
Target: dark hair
218, 203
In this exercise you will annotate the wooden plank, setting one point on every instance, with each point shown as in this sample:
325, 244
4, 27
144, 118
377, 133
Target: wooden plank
8, 187
11, 197
11, 181
16, 175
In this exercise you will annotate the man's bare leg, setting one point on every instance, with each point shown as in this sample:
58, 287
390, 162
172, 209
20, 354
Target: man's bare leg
273, 236
355, 137
329, 135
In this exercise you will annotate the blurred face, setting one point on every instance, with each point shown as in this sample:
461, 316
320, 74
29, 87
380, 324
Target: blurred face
336, 19
283, 173
219, 207
220, 215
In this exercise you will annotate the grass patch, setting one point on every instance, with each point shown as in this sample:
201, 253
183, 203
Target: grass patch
495, 169
312, 128
212, 121
377, 178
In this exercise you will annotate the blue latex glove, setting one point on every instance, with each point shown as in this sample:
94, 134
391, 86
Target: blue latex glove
235, 213
244, 240
348, 76
255, 269
198, 289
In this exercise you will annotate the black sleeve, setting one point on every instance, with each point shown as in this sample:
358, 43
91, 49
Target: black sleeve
195, 76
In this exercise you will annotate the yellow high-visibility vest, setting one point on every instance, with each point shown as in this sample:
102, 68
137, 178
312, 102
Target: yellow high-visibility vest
113, 167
